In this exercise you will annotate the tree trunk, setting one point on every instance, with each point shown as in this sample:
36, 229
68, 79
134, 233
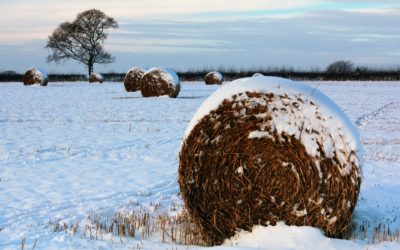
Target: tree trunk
90, 65
90, 69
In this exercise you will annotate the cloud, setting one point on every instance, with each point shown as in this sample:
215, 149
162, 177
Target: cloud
133, 9
201, 33
35, 19
317, 38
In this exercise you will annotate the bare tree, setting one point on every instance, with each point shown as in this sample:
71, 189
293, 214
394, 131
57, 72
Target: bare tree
342, 68
82, 40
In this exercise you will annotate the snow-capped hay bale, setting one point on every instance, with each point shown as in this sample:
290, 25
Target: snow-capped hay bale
257, 74
132, 79
213, 78
160, 81
35, 76
266, 149
95, 77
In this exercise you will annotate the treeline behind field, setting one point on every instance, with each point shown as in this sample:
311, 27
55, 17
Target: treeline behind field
17, 77
358, 74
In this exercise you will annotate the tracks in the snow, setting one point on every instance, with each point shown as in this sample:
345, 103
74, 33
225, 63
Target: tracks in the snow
365, 118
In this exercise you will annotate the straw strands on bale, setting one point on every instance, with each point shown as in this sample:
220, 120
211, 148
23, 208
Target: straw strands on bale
214, 78
132, 79
35, 76
95, 77
265, 149
160, 81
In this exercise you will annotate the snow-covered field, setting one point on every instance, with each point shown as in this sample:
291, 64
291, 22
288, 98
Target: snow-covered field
73, 150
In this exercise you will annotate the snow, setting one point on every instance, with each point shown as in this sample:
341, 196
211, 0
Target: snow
75, 149
173, 74
43, 73
315, 112
257, 74
287, 237
259, 134
134, 69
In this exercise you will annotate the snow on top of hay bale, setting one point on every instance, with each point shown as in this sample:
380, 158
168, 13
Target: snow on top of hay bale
35, 76
265, 149
96, 77
136, 69
165, 74
42, 72
132, 79
175, 78
214, 77
257, 74
338, 129
160, 81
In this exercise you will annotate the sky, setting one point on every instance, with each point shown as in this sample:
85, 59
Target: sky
196, 34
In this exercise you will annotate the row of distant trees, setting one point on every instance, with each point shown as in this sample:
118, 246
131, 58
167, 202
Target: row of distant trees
338, 71
341, 70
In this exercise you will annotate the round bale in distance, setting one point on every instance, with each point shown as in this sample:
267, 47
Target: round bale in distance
95, 77
265, 149
132, 79
160, 81
257, 74
213, 78
35, 76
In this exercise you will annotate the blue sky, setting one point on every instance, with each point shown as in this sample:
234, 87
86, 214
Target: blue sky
195, 34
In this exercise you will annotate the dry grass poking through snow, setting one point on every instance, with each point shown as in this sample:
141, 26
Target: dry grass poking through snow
179, 229
374, 234
139, 225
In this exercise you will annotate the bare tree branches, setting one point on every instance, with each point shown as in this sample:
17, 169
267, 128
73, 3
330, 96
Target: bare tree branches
82, 40
341, 67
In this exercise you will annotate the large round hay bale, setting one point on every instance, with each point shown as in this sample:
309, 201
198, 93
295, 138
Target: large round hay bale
35, 76
160, 81
132, 79
265, 149
95, 78
213, 78
257, 74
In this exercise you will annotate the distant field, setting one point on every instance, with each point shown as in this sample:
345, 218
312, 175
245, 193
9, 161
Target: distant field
69, 151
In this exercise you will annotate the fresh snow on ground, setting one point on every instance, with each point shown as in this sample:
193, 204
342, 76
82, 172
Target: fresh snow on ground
70, 150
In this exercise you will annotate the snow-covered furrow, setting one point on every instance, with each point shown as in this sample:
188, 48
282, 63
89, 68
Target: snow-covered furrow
363, 120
